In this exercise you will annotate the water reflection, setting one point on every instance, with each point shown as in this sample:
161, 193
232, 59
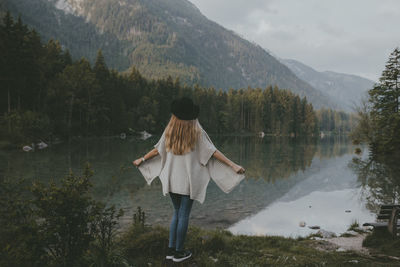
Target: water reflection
324, 209
279, 170
329, 189
379, 176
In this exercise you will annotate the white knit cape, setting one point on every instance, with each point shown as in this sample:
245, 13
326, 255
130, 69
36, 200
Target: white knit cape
189, 174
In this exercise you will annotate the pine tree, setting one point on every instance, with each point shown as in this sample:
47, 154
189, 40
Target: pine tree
100, 67
7, 55
385, 97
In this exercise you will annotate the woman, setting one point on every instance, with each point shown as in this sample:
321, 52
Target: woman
185, 159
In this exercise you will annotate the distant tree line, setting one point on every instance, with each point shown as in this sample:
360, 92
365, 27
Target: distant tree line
379, 117
336, 122
44, 92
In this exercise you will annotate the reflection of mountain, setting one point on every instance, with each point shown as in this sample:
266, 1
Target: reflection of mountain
269, 162
275, 166
219, 209
280, 162
329, 189
325, 209
269, 158
327, 175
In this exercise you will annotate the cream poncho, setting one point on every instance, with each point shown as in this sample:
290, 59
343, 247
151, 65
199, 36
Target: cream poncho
190, 173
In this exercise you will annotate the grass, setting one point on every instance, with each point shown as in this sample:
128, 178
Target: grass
381, 241
146, 246
354, 226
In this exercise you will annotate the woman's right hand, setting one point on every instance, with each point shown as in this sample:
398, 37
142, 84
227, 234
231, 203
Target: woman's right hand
137, 162
238, 169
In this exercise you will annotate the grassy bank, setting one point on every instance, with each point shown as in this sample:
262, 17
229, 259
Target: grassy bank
381, 241
146, 246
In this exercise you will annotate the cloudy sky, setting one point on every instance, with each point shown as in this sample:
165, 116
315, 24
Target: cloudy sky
348, 36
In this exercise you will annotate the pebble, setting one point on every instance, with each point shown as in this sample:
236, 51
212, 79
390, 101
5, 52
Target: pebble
213, 259
353, 261
316, 238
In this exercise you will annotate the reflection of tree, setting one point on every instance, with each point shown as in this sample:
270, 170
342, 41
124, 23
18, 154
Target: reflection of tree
272, 158
269, 158
110, 157
333, 146
380, 179
265, 159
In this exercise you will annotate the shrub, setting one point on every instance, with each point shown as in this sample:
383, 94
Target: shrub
57, 225
68, 216
20, 242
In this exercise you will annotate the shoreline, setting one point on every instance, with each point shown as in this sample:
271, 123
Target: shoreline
221, 248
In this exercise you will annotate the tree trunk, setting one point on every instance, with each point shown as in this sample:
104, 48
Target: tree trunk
70, 114
9, 109
88, 114
9, 100
392, 224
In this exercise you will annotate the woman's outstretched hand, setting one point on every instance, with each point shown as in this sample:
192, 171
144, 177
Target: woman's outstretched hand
238, 169
137, 162
221, 157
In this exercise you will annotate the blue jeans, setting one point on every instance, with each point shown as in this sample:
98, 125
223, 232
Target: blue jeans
180, 220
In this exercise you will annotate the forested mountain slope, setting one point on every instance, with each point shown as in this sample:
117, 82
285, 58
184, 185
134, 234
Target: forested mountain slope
160, 38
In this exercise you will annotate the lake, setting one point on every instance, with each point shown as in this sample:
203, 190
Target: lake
287, 181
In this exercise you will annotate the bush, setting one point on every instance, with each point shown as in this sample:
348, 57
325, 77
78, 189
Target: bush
20, 242
57, 225
68, 217
104, 251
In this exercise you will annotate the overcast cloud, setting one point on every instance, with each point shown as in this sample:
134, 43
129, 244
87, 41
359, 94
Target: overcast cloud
353, 36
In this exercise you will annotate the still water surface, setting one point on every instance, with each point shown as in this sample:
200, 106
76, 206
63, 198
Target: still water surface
287, 182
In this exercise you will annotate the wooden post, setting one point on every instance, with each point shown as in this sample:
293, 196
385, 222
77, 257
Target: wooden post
392, 225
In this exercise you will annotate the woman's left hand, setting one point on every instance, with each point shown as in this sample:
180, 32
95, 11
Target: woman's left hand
238, 169
137, 162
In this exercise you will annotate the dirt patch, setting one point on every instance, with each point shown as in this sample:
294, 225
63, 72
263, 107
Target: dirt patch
353, 243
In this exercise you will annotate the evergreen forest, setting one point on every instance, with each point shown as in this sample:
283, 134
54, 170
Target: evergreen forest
44, 93
379, 116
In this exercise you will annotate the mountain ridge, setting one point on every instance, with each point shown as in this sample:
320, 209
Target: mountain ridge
345, 89
161, 38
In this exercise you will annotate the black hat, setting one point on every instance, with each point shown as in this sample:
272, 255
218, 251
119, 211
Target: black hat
184, 109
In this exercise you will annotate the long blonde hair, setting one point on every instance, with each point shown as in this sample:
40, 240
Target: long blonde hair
181, 135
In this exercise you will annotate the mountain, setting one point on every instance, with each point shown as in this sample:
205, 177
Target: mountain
344, 89
161, 38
